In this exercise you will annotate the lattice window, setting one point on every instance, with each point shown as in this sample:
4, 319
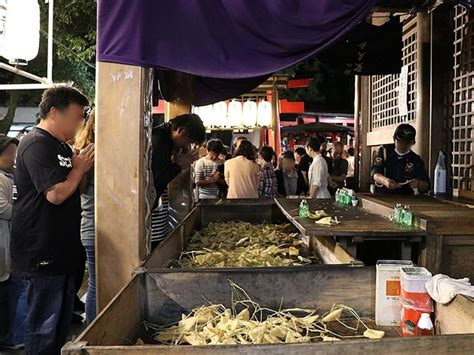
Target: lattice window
384, 88
463, 95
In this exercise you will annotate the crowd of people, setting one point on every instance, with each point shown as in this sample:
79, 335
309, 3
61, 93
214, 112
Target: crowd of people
312, 171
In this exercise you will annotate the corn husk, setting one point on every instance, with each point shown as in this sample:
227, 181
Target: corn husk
215, 324
241, 244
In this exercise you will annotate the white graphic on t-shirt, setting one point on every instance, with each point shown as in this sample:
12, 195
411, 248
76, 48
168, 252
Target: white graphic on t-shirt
66, 162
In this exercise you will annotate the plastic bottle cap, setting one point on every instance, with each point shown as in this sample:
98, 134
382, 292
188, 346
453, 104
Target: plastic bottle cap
425, 322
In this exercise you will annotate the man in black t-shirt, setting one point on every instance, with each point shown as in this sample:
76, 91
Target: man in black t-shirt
339, 168
396, 169
45, 237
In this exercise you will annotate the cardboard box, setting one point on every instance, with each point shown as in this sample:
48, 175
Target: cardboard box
387, 291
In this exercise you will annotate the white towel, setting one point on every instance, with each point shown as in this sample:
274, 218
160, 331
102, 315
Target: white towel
443, 289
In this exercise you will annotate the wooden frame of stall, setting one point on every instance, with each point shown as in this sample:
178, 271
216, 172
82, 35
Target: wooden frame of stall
119, 325
120, 215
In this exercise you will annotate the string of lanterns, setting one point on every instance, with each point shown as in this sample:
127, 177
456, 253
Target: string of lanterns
19, 30
234, 114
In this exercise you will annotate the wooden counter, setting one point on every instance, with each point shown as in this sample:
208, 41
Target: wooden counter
358, 225
449, 244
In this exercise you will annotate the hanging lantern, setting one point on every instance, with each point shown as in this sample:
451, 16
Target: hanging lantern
206, 112
219, 116
235, 113
249, 114
264, 114
22, 31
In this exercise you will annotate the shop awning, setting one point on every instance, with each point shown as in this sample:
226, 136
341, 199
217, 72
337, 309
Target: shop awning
222, 38
316, 127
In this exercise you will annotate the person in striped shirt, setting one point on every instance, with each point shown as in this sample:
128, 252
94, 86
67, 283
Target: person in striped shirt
268, 187
206, 174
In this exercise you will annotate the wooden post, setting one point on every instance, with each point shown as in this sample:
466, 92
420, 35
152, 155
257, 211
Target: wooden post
423, 28
276, 118
356, 129
440, 79
119, 176
180, 189
365, 151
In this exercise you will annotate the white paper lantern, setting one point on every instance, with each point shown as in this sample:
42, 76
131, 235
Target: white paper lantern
249, 114
206, 112
22, 31
264, 114
3, 23
235, 113
220, 114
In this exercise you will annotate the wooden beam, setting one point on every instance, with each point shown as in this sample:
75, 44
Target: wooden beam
119, 176
180, 189
400, 5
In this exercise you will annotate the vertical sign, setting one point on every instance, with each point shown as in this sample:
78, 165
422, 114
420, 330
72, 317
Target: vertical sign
403, 92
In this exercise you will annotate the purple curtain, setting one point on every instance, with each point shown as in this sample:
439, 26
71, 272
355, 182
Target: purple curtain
225, 39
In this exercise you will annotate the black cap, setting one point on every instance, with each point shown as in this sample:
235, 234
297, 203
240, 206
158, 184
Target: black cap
5, 141
405, 132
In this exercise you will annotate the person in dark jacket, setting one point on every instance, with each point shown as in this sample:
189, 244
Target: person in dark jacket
289, 179
171, 144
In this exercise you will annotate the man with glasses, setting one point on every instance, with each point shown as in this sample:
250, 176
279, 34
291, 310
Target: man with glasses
45, 236
396, 169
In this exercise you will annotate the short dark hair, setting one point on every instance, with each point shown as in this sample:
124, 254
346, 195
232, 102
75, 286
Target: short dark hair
5, 141
300, 151
289, 155
350, 151
193, 126
60, 97
322, 139
267, 153
313, 143
246, 149
215, 146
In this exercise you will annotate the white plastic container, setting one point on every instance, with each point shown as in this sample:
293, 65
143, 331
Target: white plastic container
387, 291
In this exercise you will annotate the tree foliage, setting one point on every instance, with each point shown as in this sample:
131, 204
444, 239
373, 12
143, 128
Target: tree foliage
74, 54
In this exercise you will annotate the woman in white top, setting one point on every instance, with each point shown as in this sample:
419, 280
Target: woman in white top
318, 174
242, 173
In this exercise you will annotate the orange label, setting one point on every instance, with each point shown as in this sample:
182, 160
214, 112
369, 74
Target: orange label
392, 288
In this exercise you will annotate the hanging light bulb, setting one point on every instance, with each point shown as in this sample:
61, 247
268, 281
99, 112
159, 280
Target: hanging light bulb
22, 30
220, 114
249, 114
235, 113
264, 113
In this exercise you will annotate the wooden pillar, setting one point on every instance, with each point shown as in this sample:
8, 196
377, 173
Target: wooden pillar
180, 189
365, 155
423, 26
357, 128
276, 118
441, 58
119, 176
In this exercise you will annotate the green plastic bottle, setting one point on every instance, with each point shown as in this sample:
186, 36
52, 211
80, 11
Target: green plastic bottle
408, 217
303, 209
401, 215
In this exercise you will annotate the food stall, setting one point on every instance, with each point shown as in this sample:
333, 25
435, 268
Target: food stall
142, 292
159, 294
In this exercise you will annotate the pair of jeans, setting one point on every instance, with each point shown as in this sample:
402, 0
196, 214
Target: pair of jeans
90, 300
14, 308
51, 303
18, 309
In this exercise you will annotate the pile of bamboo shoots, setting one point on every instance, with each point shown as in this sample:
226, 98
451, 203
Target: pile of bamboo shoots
246, 322
241, 244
